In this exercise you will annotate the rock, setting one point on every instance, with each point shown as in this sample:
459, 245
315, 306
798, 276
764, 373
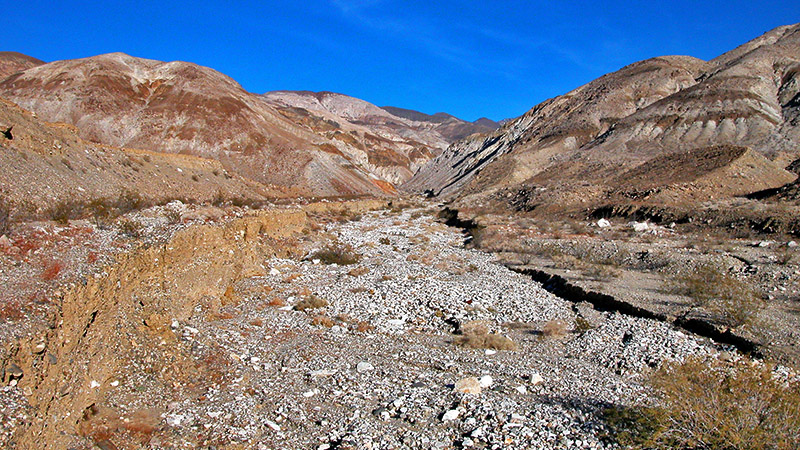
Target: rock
274, 271
763, 244
490, 352
603, 223
14, 371
450, 415
535, 379
469, 385
521, 389
272, 425
486, 381
364, 366
791, 244
640, 226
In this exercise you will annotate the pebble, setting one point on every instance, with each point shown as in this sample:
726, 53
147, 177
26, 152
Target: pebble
450, 415
364, 366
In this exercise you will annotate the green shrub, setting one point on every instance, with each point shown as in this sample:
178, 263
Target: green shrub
713, 405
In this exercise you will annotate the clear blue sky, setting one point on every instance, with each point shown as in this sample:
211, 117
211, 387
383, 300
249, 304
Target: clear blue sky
469, 58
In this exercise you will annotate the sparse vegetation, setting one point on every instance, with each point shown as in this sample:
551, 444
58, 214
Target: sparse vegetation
130, 228
310, 302
555, 328
713, 405
342, 255
5, 215
475, 334
734, 301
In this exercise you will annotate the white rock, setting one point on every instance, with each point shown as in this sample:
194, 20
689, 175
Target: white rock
486, 381
324, 447
396, 322
364, 366
450, 415
640, 226
115, 383
273, 426
315, 261
311, 393
322, 373
490, 352
469, 385
94, 384
521, 389
274, 271
535, 379
603, 223
791, 244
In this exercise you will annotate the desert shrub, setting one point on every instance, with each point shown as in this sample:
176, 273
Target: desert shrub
342, 255
475, 334
101, 210
713, 405
130, 228
323, 321
173, 216
64, 211
734, 301
311, 302
358, 271
5, 215
129, 200
554, 328
582, 325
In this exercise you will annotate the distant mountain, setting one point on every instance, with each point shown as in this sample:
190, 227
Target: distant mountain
654, 131
13, 62
180, 107
450, 127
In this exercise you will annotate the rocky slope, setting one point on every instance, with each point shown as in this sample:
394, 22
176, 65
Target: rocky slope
13, 62
572, 149
179, 107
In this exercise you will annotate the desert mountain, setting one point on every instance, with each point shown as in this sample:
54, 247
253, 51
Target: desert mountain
389, 146
13, 62
653, 127
183, 108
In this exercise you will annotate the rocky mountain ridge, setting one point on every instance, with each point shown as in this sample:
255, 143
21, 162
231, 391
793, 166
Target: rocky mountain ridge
571, 148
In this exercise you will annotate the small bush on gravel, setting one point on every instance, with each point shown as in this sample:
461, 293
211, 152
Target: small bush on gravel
475, 334
713, 405
130, 228
312, 302
734, 301
342, 255
555, 328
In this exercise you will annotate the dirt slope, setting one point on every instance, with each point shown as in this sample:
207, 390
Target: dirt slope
47, 164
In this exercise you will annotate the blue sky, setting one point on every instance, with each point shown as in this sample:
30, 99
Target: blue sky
469, 58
